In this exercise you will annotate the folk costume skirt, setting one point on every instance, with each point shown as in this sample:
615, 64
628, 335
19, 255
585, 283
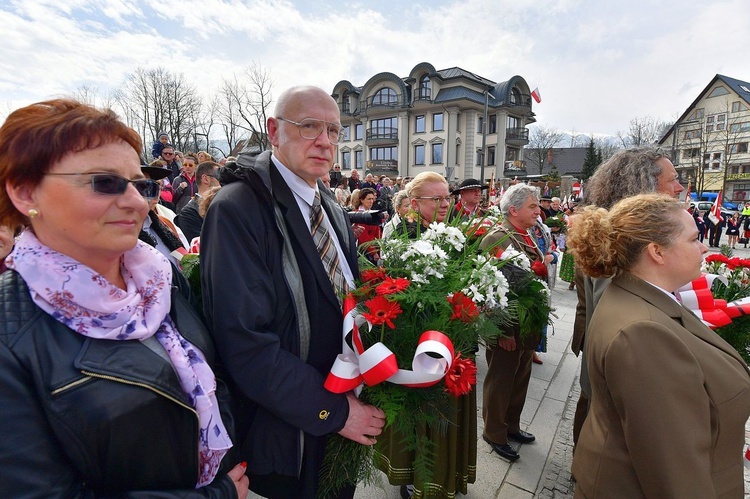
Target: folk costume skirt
567, 267
455, 451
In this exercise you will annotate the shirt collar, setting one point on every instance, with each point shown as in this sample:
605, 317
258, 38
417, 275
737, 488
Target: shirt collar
298, 185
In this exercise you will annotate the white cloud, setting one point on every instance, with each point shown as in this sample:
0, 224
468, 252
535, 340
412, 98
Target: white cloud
597, 64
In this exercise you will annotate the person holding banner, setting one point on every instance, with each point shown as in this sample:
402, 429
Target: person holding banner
670, 397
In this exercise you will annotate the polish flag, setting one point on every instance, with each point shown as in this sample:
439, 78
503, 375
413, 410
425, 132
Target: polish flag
536, 95
715, 214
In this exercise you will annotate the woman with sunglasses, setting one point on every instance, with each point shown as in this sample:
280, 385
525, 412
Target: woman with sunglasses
107, 388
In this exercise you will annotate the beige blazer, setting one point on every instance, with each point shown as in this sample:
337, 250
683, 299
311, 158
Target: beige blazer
670, 401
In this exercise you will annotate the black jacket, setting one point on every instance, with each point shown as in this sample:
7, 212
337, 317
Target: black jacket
273, 312
84, 417
189, 220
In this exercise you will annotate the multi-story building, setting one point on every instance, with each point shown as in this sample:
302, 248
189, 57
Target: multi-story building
709, 142
432, 121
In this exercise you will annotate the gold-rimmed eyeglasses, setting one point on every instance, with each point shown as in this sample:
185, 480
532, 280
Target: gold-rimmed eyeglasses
436, 199
311, 128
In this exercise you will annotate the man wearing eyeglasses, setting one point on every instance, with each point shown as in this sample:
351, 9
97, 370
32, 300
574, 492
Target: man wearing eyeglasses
168, 155
277, 254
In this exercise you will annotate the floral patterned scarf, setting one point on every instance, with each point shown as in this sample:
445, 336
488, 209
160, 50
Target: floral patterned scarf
89, 304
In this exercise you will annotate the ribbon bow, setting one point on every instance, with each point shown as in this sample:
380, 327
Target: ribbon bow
378, 363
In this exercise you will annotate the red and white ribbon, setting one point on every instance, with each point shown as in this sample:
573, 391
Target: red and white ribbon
697, 297
356, 366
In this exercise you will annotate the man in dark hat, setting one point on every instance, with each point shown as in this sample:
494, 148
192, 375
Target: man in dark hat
470, 195
545, 203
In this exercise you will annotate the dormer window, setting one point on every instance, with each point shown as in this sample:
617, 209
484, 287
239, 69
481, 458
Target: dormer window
425, 87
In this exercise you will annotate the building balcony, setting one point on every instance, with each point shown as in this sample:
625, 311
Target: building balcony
383, 101
517, 136
521, 102
515, 168
382, 135
345, 109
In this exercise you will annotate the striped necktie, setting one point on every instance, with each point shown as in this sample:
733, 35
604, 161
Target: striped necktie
326, 249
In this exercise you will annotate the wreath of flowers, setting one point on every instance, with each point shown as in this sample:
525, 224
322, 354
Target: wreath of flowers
425, 306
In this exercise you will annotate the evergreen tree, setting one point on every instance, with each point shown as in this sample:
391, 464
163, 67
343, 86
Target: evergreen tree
590, 162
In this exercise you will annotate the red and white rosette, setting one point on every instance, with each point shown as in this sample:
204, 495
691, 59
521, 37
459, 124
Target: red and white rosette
353, 367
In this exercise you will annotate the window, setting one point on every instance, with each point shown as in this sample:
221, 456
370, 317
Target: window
740, 147
419, 125
345, 133
697, 114
419, 154
693, 134
716, 122
491, 156
480, 121
511, 154
385, 128
437, 122
384, 96
691, 153
382, 153
718, 92
740, 127
346, 160
358, 160
712, 161
358, 131
513, 122
425, 87
738, 106
493, 123
437, 153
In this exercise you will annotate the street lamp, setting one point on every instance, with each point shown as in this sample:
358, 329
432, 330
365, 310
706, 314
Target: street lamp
487, 96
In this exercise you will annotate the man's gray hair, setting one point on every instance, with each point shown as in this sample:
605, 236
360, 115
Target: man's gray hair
627, 173
516, 196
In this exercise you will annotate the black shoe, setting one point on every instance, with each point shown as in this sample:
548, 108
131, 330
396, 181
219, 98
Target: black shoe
503, 450
522, 437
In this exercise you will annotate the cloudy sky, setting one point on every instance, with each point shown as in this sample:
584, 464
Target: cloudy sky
597, 63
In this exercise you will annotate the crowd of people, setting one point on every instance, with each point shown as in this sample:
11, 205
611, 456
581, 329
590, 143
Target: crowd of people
116, 382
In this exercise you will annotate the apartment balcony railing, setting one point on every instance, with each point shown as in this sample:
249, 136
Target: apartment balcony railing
388, 101
382, 135
520, 100
517, 136
424, 94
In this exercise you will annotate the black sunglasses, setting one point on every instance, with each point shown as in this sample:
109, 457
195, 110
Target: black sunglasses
111, 184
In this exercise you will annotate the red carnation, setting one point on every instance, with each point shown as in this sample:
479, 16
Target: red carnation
539, 268
717, 257
373, 274
382, 311
461, 376
390, 286
464, 308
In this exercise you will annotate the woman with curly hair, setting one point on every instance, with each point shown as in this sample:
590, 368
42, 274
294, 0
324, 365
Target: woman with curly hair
670, 397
